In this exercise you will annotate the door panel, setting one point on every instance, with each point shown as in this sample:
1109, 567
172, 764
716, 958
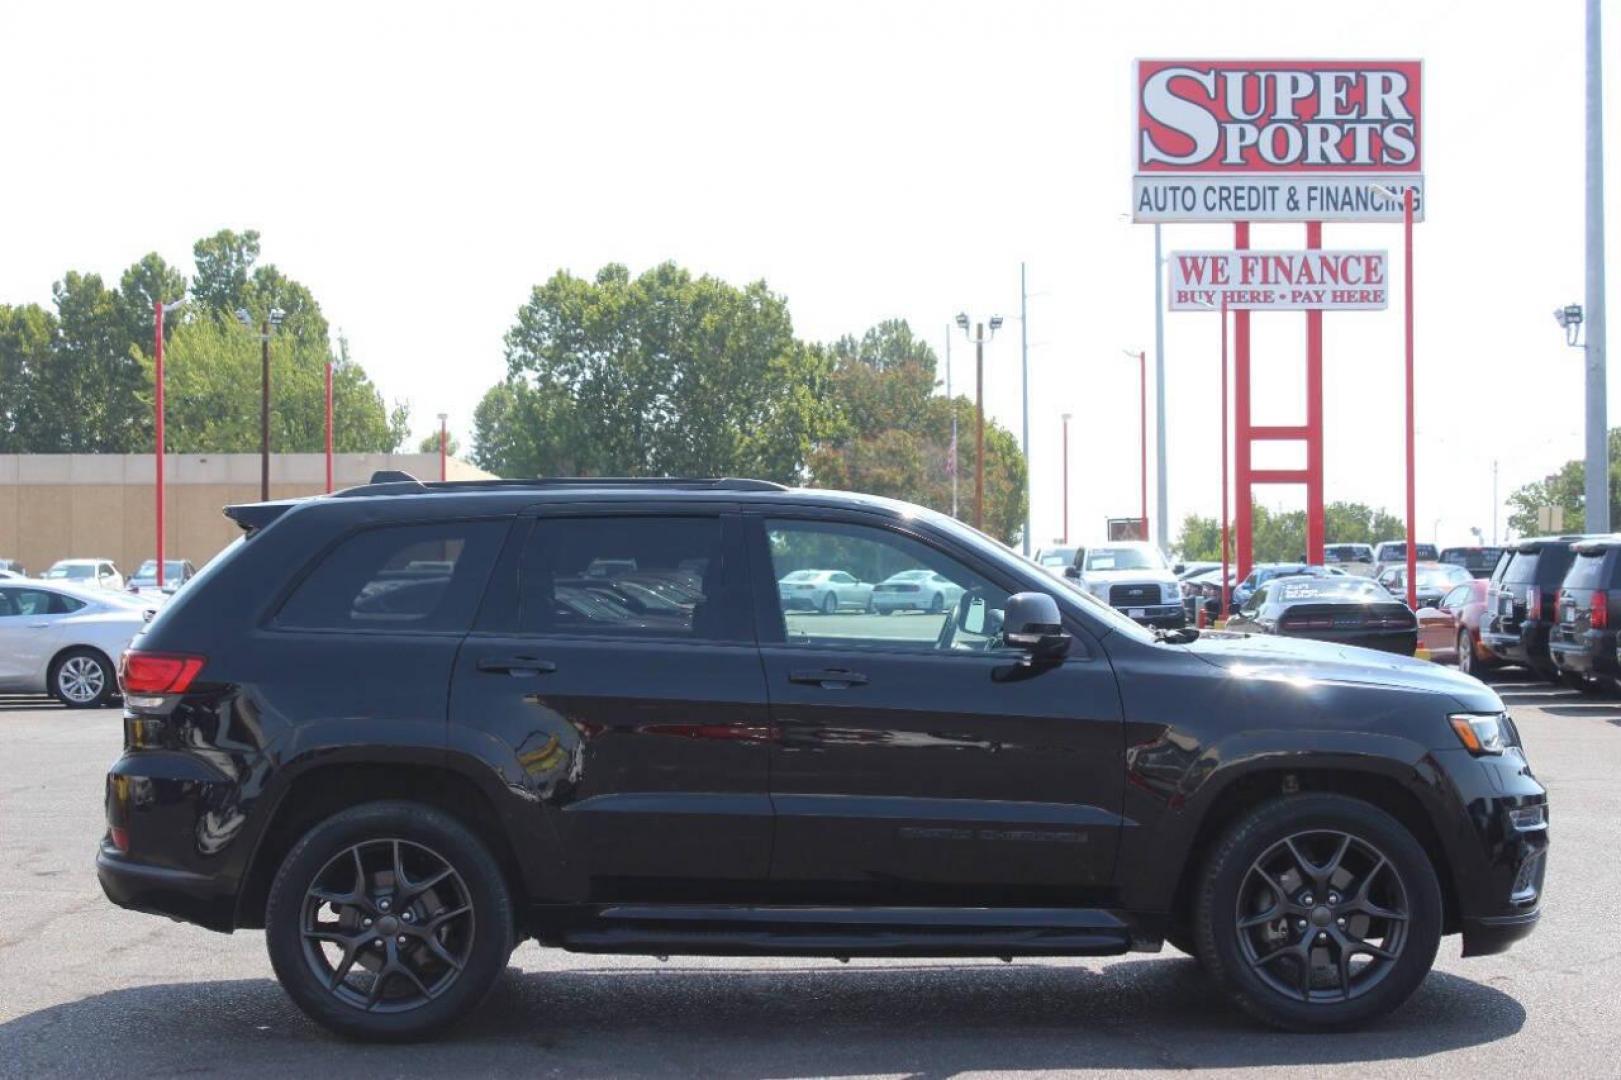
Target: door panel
28, 633
908, 771
627, 688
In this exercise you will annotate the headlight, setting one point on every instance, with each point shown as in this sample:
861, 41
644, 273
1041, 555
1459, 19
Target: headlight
1481, 733
1173, 594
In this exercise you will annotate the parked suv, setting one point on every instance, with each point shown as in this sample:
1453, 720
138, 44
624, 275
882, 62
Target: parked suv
405, 726
1520, 602
1581, 641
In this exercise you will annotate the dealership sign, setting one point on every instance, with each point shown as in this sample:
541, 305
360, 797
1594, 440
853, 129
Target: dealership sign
1279, 280
1269, 140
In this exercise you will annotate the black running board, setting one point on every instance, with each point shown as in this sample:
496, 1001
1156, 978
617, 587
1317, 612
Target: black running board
722, 930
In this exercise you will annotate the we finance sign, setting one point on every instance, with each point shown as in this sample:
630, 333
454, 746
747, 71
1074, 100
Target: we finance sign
1277, 140
1279, 280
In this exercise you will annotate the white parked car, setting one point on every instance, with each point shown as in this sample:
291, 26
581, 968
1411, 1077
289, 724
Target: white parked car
915, 590
91, 573
823, 590
1132, 576
64, 640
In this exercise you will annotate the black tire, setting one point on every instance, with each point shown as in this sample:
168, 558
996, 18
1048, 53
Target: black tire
1405, 882
938, 604
1466, 654
482, 937
1580, 683
82, 679
1548, 673
830, 604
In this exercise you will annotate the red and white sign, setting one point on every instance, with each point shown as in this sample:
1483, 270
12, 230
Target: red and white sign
1280, 280
1277, 140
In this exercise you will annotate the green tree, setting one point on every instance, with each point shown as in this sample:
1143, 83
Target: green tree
223, 263
664, 374
87, 398
212, 376
1566, 489
430, 444
1280, 536
27, 338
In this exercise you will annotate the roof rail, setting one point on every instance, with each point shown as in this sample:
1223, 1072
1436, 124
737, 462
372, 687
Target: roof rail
390, 482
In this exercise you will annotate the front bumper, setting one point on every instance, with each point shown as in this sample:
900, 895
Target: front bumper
1498, 862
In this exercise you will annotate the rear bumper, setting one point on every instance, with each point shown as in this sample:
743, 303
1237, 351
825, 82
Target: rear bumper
1400, 642
1590, 653
1528, 644
161, 890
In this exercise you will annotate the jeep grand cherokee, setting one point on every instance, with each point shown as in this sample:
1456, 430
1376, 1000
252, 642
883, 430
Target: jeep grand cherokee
403, 727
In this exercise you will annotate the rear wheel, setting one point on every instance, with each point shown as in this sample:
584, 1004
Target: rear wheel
83, 679
830, 604
388, 921
1466, 653
1318, 911
1579, 682
937, 604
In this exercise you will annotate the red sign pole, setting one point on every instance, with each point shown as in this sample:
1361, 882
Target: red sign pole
1412, 538
1226, 598
1241, 421
157, 408
1315, 525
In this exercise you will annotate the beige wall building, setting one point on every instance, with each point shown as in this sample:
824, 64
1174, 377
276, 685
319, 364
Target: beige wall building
59, 506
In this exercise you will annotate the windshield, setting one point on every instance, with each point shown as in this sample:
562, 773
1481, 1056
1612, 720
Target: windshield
802, 575
1058, 557
1439, 576
171, 569
1126, 558
72, 571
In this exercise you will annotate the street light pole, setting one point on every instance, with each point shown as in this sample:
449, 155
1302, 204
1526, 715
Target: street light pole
1024, 381
978, 338
329, 427
444, 472
1598, 455
1066, 478
271, 321
952, 463
1142, 426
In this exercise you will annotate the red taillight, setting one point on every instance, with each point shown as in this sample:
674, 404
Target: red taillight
1533, 603
158, 673
120, 838
1600, 619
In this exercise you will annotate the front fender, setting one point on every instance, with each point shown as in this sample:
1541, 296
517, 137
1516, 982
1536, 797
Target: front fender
1175, 805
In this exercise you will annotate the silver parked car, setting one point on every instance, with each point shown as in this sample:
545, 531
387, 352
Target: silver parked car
823, 590
89, 573
915, 590
65, 640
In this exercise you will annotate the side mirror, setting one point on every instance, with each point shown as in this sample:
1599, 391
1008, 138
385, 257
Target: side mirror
1031, 622
1179, 569
1072, 572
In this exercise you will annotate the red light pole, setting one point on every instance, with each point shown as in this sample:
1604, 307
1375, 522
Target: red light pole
1226, 596
1066, 478
444, 473
1412, 551
329, 427
157, 407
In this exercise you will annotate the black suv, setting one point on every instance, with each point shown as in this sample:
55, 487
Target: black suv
407, 725
1521, 600
1582, 641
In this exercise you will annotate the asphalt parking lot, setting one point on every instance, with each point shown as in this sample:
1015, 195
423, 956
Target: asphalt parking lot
89, 990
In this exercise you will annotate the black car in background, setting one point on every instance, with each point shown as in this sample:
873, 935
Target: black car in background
1521, 603
405, 726
1345, 610
1479, 561
1582, 641
1391, 552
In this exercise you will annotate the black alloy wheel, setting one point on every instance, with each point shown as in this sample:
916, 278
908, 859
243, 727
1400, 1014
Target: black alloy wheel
388, 921
1318, 911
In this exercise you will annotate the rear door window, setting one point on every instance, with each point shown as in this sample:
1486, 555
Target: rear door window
411, 578
633, 576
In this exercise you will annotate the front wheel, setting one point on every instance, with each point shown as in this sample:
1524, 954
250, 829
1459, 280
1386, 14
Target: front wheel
83, 679
830, 604
1318, 911
388, 921
1466, 654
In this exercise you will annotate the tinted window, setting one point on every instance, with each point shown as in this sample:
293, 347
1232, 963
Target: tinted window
1457, 598
398, 578
1553, 563
639, 576
1522, 568
873, 554
1587, 572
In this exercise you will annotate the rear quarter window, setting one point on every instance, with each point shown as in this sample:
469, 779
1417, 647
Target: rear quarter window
1589, 572
411, 578
1521, 569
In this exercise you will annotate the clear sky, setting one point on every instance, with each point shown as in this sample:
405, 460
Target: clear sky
420, 168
